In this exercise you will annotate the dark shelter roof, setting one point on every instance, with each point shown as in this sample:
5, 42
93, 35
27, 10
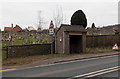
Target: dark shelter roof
73, 28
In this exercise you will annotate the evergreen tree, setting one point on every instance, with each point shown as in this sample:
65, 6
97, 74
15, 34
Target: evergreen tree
93, 25
79, 18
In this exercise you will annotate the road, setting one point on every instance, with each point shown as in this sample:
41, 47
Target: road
66, 69
111, 74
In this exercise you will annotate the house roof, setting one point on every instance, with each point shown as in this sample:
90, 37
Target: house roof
8, 28
17, 28
30, 28
13, 29
72, 28
75, 28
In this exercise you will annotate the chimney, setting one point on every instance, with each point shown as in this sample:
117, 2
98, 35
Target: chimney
12, 25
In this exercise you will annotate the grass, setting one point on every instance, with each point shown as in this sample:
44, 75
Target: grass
4, 55
18, 42
5, 44
99, 50
20, 39
29, 59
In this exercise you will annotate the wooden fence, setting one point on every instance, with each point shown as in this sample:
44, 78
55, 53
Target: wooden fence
102, 40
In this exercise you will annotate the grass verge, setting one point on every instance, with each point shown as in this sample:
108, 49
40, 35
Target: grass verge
99, 50
29, 59
4, 55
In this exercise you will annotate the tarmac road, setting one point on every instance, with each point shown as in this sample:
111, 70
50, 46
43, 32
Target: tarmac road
66, 69
111, 74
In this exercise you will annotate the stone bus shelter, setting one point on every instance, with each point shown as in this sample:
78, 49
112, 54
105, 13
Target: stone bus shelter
70, 39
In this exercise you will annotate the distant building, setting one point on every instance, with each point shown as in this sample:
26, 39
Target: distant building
13, 29
45, 31
17, 29
8, 29
31, 29
105, 30
26, 30
39, 29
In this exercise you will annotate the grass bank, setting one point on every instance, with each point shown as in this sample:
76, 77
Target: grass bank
29, 59
3, 54
99, 50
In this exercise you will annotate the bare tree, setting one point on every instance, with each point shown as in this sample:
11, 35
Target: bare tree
58, 16
40, 21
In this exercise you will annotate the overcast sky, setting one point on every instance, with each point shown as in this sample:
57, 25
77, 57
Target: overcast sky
25, 13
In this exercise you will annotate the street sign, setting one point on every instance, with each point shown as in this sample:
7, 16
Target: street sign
115, 47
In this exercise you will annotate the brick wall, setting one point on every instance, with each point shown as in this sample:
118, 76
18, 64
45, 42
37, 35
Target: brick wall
42, 49
28, 50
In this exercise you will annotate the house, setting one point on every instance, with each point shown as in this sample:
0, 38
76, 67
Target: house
13, 29
17, 29
70, 39
8, 29
31, 29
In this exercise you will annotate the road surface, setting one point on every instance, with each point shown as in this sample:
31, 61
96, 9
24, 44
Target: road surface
111, 74
66, 69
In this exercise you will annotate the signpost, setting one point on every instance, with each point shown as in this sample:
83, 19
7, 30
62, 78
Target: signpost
52, 32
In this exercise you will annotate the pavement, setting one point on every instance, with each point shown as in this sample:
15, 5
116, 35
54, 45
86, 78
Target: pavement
59, 60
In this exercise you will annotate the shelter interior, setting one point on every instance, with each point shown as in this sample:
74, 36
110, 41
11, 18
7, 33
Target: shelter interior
75, 43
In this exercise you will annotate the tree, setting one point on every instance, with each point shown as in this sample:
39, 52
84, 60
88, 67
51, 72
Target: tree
116, 30
93, 25
58, 17
79, 18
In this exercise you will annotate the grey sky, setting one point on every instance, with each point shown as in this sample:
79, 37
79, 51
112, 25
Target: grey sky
119, 12
26, 13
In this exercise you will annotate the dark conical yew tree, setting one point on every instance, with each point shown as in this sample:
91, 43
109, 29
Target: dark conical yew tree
93, 25
79, 18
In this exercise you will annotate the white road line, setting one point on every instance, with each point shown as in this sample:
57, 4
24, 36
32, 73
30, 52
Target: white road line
103, 72
72, 61
100, 72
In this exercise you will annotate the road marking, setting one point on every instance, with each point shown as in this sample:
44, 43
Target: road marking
43, 74
103, 72
96, 73
7, 70
71, 61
